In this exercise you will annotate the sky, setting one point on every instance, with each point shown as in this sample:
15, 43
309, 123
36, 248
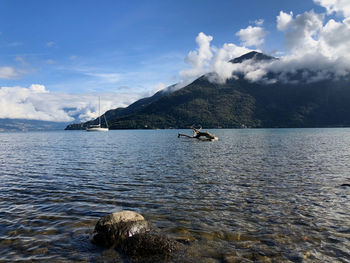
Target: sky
57, 57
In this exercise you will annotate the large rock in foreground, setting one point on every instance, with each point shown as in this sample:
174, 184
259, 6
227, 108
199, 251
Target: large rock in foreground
129, 233
114, 228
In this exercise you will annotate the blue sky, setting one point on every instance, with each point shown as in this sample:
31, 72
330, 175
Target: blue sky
129, 47
61, 44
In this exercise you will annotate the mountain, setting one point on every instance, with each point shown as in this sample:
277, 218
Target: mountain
241, 103
12, 125
254, 56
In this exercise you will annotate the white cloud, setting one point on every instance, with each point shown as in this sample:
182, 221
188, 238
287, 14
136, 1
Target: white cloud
284, 20
201, 56
37, 88
252, 36
158, 87
37, 103
220, 63
8, 73
207, 58
309, 35
259, 22
316, 48
198, 59
303, 31
334, 40
106, 77
335, 6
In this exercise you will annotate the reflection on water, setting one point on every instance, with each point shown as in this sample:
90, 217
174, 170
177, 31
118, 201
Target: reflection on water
270, 195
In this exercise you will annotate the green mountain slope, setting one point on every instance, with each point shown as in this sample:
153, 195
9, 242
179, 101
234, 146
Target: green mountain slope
239, 103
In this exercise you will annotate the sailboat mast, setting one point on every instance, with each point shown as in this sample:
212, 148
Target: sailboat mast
99, 113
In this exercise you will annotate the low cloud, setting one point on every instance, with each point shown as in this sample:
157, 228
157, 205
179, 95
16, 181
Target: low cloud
221, 64
37, 103
207, 58
158, 87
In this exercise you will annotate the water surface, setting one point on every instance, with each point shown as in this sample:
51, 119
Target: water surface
268, 195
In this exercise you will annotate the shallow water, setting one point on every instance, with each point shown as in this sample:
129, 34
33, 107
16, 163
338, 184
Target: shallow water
264, 195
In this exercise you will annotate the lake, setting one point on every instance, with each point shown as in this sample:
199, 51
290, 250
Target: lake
255, 195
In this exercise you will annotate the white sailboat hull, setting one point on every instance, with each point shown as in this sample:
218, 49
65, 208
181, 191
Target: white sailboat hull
97, 129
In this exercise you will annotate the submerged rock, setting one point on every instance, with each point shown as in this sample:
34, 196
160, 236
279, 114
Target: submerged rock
129, 233
114, 228
150, 246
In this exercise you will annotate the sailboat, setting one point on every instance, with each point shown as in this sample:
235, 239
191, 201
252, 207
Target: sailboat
98, 127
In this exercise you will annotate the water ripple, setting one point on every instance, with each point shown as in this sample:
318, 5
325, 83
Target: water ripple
253, 196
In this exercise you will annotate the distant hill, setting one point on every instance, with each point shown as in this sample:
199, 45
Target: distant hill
29, 125
240, 103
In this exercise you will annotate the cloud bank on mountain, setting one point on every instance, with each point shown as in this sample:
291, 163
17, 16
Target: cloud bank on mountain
313, 43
